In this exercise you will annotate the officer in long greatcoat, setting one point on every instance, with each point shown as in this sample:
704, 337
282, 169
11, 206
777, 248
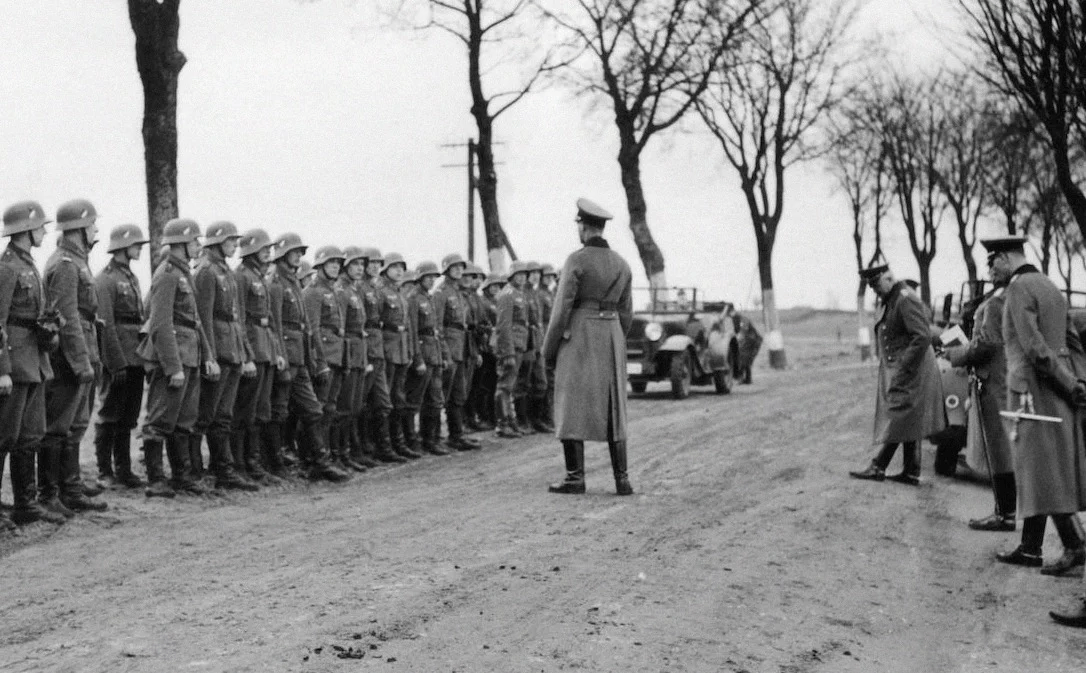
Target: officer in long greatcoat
987, 442
120, 306
1049, 466
586, 338
24, 360
909, 398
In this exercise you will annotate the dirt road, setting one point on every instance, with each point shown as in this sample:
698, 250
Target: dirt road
745, 548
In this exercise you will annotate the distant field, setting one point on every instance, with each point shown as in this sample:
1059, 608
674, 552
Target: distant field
816, 337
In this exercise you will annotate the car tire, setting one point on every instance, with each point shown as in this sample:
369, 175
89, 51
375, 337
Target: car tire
638, 386
681, 376
722, 381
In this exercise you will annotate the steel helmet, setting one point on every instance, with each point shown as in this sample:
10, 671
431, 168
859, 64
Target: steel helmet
409, 277
426, 269
534, 266
180, 230
548, 270
474, 270
494, 279
327, 253
287, 242
391, 259
217, 232
76, 214
372, 255
353, 252
449, 261
253, 241
124, 236
24, 216
518, 266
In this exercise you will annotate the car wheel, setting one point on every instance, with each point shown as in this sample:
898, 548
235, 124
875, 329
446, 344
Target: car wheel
680, 376
638, 386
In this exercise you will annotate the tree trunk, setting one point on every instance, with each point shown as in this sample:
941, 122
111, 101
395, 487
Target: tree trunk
863, 333
488, 201
156, 24
924, 264
629, 161
967, 255
1076, 200
774, 339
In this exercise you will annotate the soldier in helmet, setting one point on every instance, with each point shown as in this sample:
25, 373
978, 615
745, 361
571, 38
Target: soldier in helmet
377, 403
511, 343
351, 393
174, 352
293, 389
399, 348
545, 294
452, 311
330, 352
533, 379
219, 306
70, 289
484, 385
469, 287
120, 306
586, 338
252, 432
24, 361
424, 384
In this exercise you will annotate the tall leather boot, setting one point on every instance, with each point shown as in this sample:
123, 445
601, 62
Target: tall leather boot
1074, 545
395, 435
122, 459
910, 468
288, 450
317, 453
25, 492
103, 451
359, 453
253, 459
430, 422
271, 449
1002, 520
618, 466
520, 416
503, 406
537, 414
454, 416
344, 425
157, 486
49, 477
178, 453
383, 451
72, 492
407, 423
876, 471
573, 453
196, 457
225, 475
1028, 553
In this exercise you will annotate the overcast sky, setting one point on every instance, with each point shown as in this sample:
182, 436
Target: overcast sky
298, 116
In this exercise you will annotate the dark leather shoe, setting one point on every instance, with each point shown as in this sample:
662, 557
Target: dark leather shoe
329, 473
129, 480
622, 487
389, 457
994, 522
191, 486
905, 478
1075, 617
234, 482
159, 489
463, 444
81, 503
90, 490
567, 487
1067, 564
872, 473
435, 450
1018, 557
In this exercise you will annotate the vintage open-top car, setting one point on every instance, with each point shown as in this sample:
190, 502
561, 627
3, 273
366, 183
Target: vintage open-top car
677, 336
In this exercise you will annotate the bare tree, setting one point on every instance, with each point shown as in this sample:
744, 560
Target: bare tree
650, 59
1013, 149
155, 24
764, 108
1035, 52
501, 38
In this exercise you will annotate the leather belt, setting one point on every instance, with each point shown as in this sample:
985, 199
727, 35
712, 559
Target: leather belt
338, 331
294, 324
427, 331
258, 322
28, 323
394, 328
373, 324
226, 317
356, 335
184, 322
89, 316
595, 305
127, 320
456, 325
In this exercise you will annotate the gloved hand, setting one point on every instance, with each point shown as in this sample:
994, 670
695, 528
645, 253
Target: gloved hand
177, 380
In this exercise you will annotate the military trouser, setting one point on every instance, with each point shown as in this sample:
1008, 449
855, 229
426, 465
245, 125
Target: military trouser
171, 411
455, 387
252, 405
295, 399
397, 378
483, 386
508, 374
327, 391
67, 415
470, 367
351, 393
119, 405
424, 390
216, 419
22, 427
532, 376
375, 392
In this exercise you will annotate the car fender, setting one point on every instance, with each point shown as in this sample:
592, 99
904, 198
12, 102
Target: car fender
676, 343
720, 347
955, 392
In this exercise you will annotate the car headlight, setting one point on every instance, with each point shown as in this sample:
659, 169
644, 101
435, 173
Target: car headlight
653, 331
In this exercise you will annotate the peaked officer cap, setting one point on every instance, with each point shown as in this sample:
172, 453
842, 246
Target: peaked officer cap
124, 236
76, 214
1004, 244
426, 269
287, 242
253, 241
873, 272
451, 260
592, 213
180, 230
24, 216
326, 254
217, 232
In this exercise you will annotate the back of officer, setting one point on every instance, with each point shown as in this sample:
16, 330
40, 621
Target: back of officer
24, 361
120, 306
70, 289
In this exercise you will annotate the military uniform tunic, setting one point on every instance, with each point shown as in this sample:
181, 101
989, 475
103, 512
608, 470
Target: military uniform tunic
510, 337
399, 349
293, 389
453, 315
330, 353
375, 392
22, 412
120, 306
219, 305
423, 389
353, 305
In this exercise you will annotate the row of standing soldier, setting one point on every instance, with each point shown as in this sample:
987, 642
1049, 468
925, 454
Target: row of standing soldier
337, 363
1028, 389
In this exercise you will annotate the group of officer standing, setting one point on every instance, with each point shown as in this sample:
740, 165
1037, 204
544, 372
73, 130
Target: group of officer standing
1028, 391
285, 370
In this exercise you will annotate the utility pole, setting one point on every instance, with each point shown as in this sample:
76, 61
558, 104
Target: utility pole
472, 186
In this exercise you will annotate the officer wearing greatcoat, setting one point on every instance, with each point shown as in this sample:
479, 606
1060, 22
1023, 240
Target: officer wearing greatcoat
70, 289
120, 306
24, 361
909, 397
586, 339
